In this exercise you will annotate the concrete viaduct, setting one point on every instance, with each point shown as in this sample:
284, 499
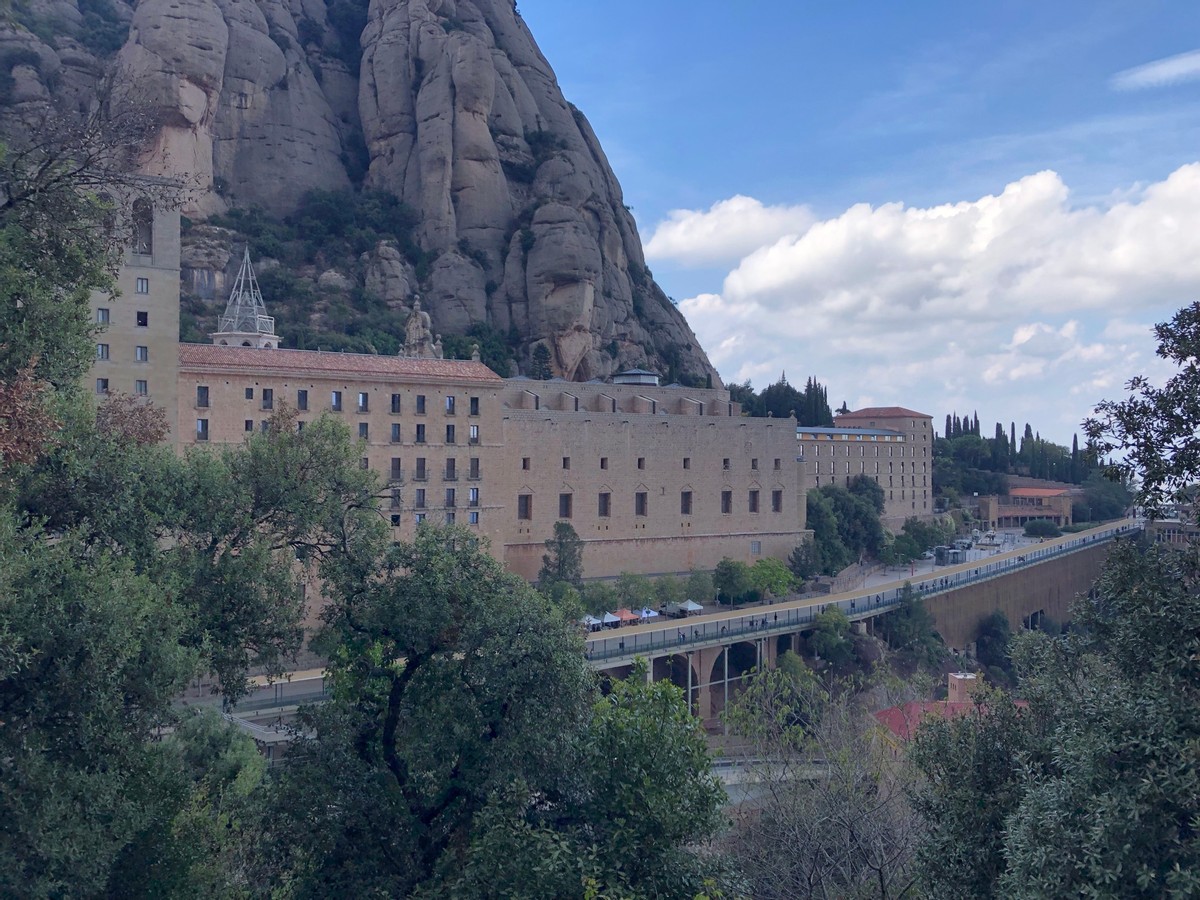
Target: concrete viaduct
708, 655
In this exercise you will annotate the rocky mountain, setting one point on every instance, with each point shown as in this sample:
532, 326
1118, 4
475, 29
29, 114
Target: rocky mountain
518, 220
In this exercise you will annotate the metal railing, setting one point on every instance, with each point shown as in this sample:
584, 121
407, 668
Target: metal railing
786, 616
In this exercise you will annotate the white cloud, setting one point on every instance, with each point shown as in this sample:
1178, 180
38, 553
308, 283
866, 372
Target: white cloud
1021, 305
1172, 69
727, 231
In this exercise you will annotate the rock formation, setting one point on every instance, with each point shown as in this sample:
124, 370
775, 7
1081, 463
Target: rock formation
447, 104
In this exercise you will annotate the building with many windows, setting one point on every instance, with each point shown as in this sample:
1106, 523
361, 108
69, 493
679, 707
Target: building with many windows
891, 444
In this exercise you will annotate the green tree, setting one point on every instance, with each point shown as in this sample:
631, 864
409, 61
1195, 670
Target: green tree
909, 629
634, 590
563, 561
1042, 528
540, 366
732, 580
992, 645
770, 577
830, 639
805, 560
868, 488
830, 549
465, 736
669, 589
814, 405
700, 587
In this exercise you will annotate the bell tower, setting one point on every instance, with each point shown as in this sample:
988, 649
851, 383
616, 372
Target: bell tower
245, 322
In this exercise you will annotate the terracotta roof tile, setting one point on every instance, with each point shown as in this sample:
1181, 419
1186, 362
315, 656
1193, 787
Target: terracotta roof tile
317, 362
882, 412
1037, 492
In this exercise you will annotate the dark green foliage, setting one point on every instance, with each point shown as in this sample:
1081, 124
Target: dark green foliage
543, 145
868, 489
805, 562
908, 629
540, 368
494, 349
563, 560
992, 645
830, 639
102, 30
1042, 528
1103, 498
1094, 788
780, 400
732, 580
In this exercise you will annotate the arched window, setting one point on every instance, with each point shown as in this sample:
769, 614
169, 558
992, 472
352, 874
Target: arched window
143, 228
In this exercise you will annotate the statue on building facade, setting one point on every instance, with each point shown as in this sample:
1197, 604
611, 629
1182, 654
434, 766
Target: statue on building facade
419, 341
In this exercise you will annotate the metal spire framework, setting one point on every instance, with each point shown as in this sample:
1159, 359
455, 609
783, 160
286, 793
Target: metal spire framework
245, 321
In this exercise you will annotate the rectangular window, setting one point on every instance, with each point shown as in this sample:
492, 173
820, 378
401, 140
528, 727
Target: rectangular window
604, 462
102, 386
474, 434
451, 498
776, 501
779, 464
753, 501
141, 387
685, 503
640, 503
566, 462
101, 316
302, 400
335, 401
419, 498
395, 404
268, 398
102, 351
420, 439
525, 506
726, 503
142, 287
364, 401
248, 425
202, 429
473, 470
300, 426
397, 502
687, 462
419, 518
419, 474
641, 462
264, 426
525, 463
449, 518
449, 406
420, 404
564, 506
474, 406
202, 396
449, 434
756, 548
395, 432
364, 431
141, 354
725, 464
473, 517
754, 464
249, 393
364, 463
143, 318
396, 520
605, 508
397, 471
451, 470
473, 497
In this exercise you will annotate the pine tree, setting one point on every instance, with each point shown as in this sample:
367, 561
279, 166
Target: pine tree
540, 369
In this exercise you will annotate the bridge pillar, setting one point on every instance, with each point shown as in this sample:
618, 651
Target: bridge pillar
706, 659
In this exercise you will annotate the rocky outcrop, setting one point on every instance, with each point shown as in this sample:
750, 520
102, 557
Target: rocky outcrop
449, 105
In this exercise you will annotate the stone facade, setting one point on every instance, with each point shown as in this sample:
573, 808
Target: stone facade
137, 344
891, 444
654, 480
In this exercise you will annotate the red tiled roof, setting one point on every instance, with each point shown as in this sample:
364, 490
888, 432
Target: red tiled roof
317, 362
903, 721
882, 412
1037, 492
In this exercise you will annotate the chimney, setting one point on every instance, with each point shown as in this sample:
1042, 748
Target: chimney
961, 686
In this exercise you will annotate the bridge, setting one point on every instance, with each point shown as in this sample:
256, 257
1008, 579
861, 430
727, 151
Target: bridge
708, 655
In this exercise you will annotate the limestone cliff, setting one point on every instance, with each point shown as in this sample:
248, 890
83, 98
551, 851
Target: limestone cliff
447, 104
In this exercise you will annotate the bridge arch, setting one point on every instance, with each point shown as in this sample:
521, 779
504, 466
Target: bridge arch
742, 657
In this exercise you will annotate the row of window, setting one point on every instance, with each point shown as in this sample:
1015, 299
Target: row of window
336, 401
472, 518
449, 473
641, 504
141, 387
862, 468
527, 463
420, 498
862, 451
141, 317
140, 353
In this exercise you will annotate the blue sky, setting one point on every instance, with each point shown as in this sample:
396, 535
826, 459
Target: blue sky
932, 204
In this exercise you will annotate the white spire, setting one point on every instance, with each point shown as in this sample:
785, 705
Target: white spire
246, 322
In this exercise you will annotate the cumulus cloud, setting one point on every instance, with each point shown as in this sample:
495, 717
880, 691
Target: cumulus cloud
1020, 302
725, 232
1161, 72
